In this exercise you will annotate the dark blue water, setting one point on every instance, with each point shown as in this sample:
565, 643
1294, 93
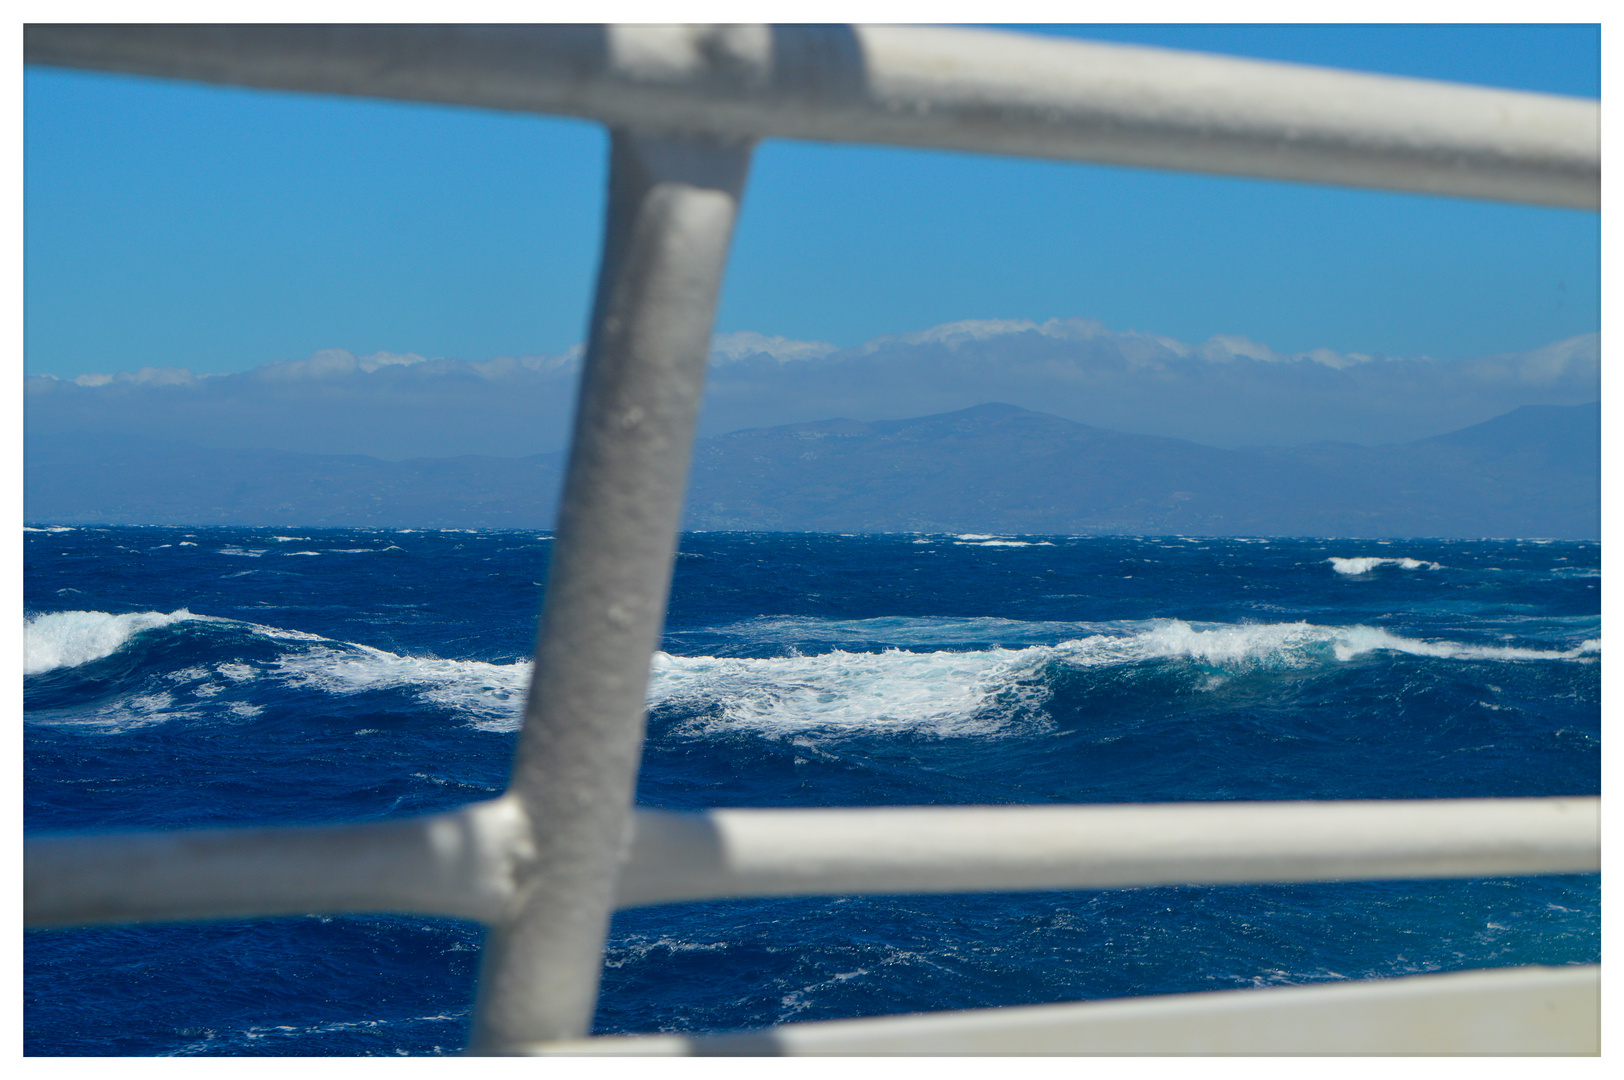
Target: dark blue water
213, 677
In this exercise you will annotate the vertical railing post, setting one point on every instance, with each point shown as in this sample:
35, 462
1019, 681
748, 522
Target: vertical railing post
672, 204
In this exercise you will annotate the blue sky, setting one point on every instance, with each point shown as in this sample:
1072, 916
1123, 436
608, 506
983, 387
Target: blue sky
220, 229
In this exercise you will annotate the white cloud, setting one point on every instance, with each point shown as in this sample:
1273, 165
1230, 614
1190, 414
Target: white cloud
1223, 348
149, 376
1227, 391
956, 333
1333, 359
322, 364
1227, 348
1554, 361
384, 359
341, 363
742, 344
1135, 347
504, 367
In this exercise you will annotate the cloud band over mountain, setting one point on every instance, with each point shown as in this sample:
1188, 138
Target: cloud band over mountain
1228, 391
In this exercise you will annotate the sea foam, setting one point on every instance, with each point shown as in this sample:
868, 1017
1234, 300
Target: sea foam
938, 693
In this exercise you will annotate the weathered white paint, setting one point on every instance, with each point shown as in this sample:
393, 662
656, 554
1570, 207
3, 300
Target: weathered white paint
1533, 1010
955, 89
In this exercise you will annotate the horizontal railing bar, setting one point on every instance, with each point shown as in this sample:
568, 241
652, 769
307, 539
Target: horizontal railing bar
945, 88
462, 863
1521, 1010
738, 853
459, 864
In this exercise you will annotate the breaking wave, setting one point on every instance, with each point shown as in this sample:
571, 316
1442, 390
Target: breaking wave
491, 696
64, 639
940, 692
1366, 564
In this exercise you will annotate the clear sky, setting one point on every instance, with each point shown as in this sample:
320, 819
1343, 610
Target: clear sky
218, 229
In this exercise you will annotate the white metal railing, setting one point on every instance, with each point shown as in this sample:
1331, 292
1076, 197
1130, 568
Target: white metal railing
1530, 1010
463, 863
916, 86
546, 864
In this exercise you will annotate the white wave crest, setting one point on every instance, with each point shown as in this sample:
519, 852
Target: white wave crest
1365, 564
941, 693
946, 693
1000, 690
1003, 543
1226, 645
1244, 645
938, 693
1359, 640
63, 639
491, 695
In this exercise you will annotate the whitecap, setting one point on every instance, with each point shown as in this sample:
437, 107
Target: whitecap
1244, 645
940, 693
1000, 691
1365, 564
633, 948
1003, 543
63, 639
1356, 641
490, 695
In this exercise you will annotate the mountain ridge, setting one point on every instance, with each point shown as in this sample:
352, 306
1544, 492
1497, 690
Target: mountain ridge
993, 467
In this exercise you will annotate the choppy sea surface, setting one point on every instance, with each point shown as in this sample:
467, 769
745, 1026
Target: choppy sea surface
213, 677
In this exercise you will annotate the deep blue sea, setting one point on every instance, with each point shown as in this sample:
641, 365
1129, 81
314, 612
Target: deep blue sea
247, 676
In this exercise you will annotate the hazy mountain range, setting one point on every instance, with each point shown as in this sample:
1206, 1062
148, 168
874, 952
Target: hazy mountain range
994, 468
1227, 391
